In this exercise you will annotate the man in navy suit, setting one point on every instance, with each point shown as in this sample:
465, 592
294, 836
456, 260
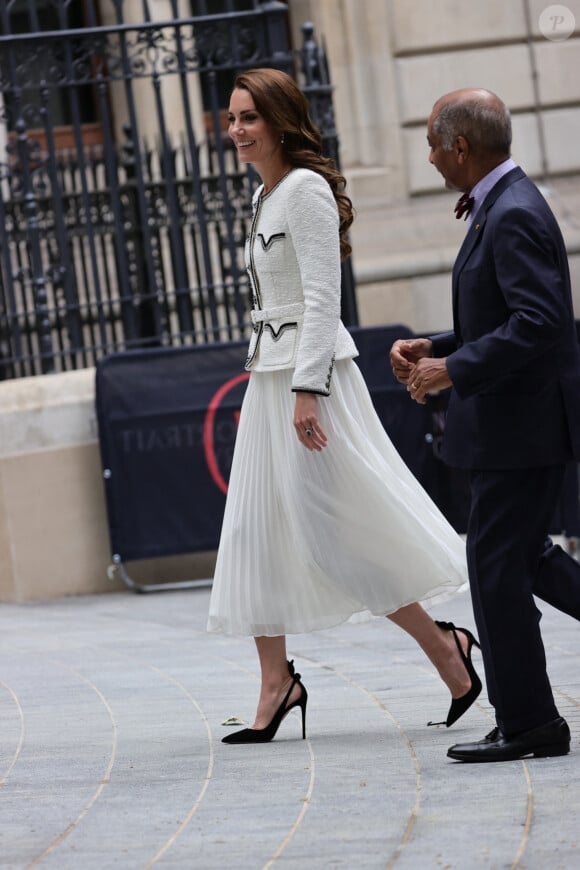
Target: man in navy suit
513, 365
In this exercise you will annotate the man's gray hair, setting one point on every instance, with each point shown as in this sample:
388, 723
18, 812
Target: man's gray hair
486, 125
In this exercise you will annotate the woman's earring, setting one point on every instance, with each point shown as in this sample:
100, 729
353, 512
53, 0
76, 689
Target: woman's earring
282, 139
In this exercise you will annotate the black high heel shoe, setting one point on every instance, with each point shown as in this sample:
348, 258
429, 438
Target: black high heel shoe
264, 735
460, 705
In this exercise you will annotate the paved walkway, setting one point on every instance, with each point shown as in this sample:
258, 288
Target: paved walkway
110, 754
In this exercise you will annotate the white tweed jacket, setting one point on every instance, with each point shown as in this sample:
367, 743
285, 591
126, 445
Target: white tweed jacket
293, 260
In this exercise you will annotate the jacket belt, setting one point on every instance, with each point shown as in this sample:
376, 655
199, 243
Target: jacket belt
263, 315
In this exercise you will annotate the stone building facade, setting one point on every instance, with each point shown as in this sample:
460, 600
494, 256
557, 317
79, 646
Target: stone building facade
390, 60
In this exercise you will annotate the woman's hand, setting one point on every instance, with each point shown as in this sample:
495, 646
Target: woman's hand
308, 429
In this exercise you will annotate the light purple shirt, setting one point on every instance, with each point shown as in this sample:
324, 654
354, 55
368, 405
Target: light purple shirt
485, 184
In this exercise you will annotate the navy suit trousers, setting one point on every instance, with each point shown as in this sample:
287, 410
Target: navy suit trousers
511, 559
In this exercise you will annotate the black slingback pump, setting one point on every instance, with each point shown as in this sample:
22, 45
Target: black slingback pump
460, 705
264, 735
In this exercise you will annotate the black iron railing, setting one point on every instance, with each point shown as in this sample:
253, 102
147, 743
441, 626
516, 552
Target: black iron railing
131, 233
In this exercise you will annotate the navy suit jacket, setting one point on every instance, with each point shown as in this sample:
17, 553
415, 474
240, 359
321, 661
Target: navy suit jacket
513, 354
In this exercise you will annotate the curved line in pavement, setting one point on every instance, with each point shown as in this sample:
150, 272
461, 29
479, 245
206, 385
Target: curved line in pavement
105, 779
529, 788
107, 775
528, 822
21, 735
415, 811
168, 843
568, 697
301, 814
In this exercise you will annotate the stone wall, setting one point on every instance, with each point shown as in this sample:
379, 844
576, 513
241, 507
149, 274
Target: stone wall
499, 46
54, 538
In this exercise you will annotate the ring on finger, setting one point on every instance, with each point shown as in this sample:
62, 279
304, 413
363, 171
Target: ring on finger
308, 432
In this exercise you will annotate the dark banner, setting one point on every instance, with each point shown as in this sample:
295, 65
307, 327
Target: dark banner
167, 424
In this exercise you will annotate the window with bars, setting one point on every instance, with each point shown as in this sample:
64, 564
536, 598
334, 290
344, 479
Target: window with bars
222, 80
37, 16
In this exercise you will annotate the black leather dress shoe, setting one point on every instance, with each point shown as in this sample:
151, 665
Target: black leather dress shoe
545, 741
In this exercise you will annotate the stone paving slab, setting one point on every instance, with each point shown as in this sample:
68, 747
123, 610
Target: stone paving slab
110, 754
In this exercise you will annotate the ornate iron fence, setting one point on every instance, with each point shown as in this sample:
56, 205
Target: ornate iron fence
132, 235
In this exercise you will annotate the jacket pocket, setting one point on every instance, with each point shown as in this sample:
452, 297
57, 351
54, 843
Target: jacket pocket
278, 344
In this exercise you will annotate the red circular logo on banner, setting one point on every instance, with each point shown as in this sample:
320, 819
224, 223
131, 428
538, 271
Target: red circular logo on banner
209, 429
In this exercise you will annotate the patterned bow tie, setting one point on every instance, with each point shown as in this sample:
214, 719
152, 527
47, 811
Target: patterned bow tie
463, 206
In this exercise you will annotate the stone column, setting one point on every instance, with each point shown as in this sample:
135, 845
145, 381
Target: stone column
358, 37
142, 88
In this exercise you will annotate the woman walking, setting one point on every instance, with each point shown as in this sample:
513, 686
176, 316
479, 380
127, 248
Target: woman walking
323, 518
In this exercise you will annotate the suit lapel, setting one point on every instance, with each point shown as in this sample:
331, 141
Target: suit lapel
476, 228
468, 242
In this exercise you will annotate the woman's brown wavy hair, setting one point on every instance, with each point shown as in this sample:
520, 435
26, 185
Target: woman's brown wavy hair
282, 104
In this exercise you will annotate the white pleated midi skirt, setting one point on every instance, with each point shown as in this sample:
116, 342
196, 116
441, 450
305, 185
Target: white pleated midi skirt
311, 538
